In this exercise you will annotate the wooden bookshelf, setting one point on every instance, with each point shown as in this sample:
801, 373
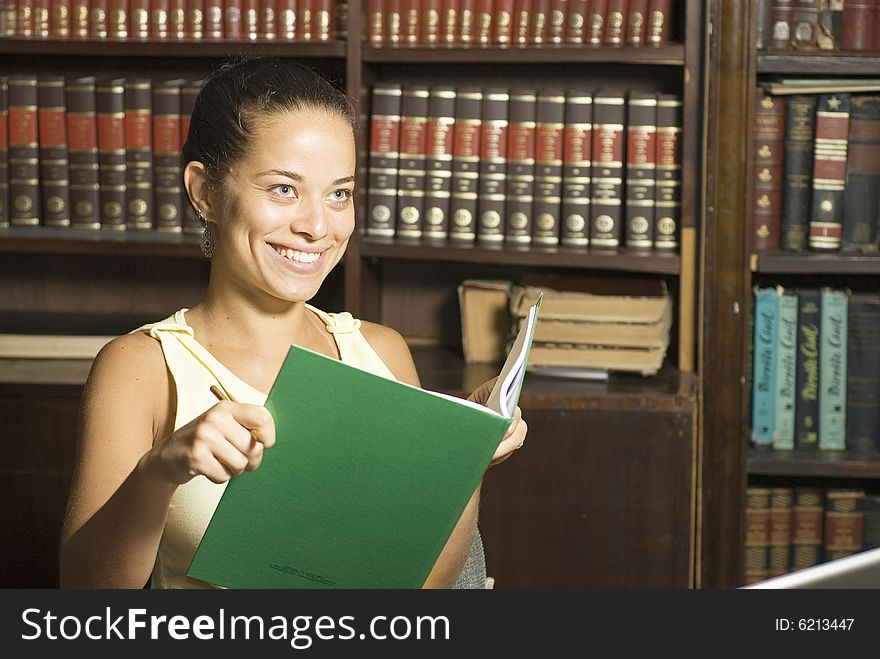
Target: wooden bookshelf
56, 240
814, 264
666, 55
809, 64
817, 464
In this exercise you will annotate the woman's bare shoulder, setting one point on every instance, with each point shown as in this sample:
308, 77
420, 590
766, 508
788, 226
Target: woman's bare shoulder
392, 348
130, 354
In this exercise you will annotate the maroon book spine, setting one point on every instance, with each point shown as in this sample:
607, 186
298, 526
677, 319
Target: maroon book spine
467, 22
522, 22
392, 26
159, 19
384, 147
829, 172
251, 19
4, 152
233, 25
117, 19
549, 138
503, 20
24, 158
374, 21
98, 19
24, 19
430, 22
213, 19
781, 18
139, 19
41, 13
324, 19
576, 21
768, 176
79, 19
540, 11
438, 166
110, 96
82, 152
410, 28
636, 30
411, 162
8, 18
606, 191
167, 175
449, 21
268, 20
60, 19
658, 22
465, 165
54, 173
556, 15
195, 19
615, 22
287, 15
858, 24
577, 149
138, 154
641, 165
189, 91
177, 19
305, 20
485, 17
520, 185
493, 165
668, 179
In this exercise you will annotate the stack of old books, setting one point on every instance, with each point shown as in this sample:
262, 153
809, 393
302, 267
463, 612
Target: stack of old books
583, 332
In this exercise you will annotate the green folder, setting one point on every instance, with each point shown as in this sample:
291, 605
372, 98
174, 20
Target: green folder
366, 481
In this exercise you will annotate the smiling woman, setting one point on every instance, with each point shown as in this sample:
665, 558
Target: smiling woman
270, 169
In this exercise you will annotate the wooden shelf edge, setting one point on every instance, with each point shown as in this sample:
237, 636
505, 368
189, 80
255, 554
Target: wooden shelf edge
58, 240
666, 55
821, 464
807, 63
813, 263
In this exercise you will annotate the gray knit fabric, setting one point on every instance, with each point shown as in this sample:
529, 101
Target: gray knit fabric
473, 574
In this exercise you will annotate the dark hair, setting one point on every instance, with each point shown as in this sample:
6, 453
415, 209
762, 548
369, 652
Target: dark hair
239, 93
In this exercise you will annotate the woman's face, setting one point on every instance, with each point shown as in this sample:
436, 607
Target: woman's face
288, 211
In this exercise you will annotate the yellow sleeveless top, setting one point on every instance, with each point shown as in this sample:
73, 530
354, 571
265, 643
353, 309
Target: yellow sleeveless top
194, 370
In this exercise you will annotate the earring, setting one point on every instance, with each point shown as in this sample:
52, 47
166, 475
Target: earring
207, 240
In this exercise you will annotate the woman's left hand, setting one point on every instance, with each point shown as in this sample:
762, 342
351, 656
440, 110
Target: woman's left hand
515, 436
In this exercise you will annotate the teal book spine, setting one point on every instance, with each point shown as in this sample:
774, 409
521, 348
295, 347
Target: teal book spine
832, 370
766, 330
786, 364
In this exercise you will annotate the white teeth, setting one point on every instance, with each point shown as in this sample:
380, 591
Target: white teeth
294, 255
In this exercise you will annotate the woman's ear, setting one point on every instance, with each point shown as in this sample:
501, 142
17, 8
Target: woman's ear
197, 189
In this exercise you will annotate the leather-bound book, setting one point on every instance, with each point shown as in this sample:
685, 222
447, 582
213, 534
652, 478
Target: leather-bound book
781, 23
493, 165
305, 19
807, 526
797, 197
503, 22
40, 10
556, 21
54, 171
411, 159
110, 96
863, 374
159, 19
520, 186
636, 28
576, 21
392, 26
213, 19
24, 19
806, 407
251, 19
667, 204
522, 22
59, 19
767, 174
641, 166
779, 554
540, 17
79, 19
595, 28
117, 19
430, 22
139, 208
177, 19
4, 152
857, 25
829, 172
829, 24
384, 144
577, 149
485, 22
804, 22
465, 165
82, 152
606, 190
861, 209
757, 534
615, 22
98, 19
167, 174
233, 26
287, 20
8, 19
763, 23
844, 522
438, 166
323, 18
138, 19
189, 91
449, 21
24, 155
549, 138
195, 19
658, 22
374, 21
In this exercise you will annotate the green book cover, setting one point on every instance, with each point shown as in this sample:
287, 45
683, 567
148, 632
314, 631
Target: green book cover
786, 362
364, 485
832, 370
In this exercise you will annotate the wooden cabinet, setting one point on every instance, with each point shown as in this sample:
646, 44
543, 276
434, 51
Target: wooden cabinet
607, 492
733, 268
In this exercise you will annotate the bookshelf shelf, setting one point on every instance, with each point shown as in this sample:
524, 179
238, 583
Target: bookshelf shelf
621, 260
820, 464
836, 63
173, 49
667, 55
51, 240
831, 264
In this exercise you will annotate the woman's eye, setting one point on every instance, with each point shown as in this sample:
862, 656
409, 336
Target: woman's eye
341, 195
285, 190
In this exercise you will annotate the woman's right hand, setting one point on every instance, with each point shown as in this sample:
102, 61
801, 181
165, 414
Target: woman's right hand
223, 442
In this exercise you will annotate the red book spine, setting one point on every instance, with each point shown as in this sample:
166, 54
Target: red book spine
59, 20
467, 20
166, 155
53, 152
8, 18
641, 165
305, 21
493, 165
195, 19
411, 162
857, 25
325, 18
540, 10
549, 136
213, 17
520, 185
522, 22
24, 20
41, 14
392, 25
503, 21
177, 19
251, 19
410, 32
4, 152
138, 154
465, 166
577, 149
768, 158
24, 172
576, 21
110, 96
558, 12
117, 19
139, 19
636, 30
268, 20
233, 28
82, 148
668, 179
658, 22
374, 21
596, 22
159, 19
287, 13
79, 19
485, 21
430, 27
829, 171
606, 192
449, 21
98, 19
384, 146
438, 166
615, 22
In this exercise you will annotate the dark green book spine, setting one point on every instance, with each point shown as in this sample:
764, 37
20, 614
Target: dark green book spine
800, 132
807, 376
863, 374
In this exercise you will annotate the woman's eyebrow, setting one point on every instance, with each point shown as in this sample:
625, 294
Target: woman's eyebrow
299, 177
340, 181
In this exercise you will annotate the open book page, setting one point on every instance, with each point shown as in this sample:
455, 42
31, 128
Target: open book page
505, 393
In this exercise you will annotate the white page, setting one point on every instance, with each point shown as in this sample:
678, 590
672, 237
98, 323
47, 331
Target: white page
505, 393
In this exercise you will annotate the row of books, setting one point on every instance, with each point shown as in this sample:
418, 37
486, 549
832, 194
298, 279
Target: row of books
791, 528
518, 22
816, 370
816, 172
525, 166
818, 25
148, 20
94, 153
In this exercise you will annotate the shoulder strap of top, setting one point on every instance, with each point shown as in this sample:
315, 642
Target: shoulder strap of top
353, 347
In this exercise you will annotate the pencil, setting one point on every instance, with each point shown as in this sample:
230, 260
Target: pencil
219, 394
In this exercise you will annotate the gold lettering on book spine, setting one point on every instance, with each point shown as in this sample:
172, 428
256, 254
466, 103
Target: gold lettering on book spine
119, 21
449, 23
287, 24
61, 20
636, 23
655, 27
98, 22
323, 21
375, 23
615, 27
